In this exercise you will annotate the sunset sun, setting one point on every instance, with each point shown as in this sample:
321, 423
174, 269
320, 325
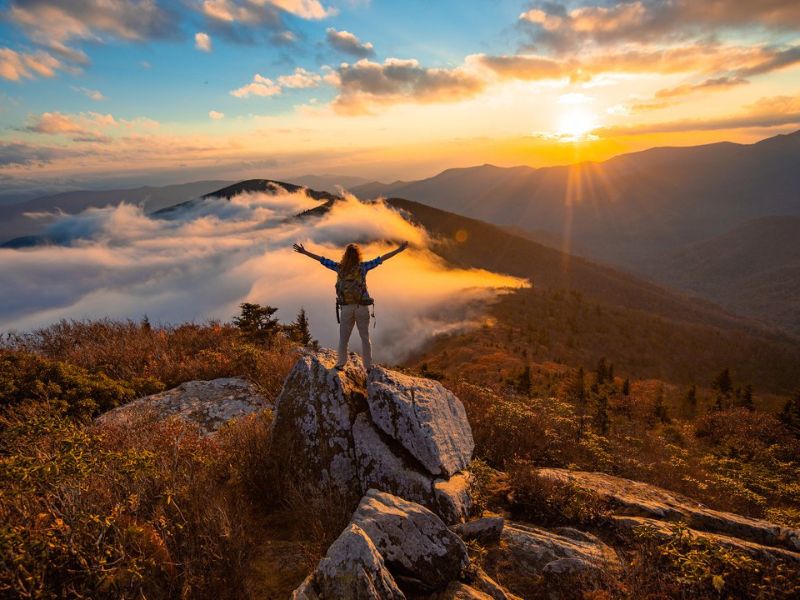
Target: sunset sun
576, 124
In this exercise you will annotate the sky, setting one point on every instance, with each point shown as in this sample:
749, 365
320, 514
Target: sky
97, 92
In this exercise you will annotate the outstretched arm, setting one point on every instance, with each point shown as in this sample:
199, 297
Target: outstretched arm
397, 250
299, 248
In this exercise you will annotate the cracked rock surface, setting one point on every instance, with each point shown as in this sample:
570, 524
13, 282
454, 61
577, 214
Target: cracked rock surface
339, 430
208, 404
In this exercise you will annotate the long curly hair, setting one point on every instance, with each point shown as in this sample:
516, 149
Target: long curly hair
350, 259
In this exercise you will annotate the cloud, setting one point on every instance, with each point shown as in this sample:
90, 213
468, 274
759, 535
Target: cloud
707, 85
306, 9
95, 95
346, 42
366, 83
54, 24
18, 154
552, 25
258, 11
215, 115
205, 260
299, 79
202, 41
729, 62
771, 111
20, 65
260, 86
55, 123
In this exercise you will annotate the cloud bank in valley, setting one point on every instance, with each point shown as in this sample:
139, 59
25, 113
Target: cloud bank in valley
200, 262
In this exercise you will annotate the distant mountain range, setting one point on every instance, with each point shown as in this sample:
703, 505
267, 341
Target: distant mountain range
14, 225
691, 218
641, 211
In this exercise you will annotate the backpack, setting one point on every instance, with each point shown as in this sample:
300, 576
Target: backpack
351, 288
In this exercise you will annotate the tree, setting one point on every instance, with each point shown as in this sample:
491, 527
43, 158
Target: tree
578, 397
602, 371
660, 409
523, 382
691, 400
790, 415
745, 397
300, 330
601, 420
626, 387
256, 324
723, 384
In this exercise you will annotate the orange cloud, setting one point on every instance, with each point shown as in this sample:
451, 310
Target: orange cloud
771, 111
366, 83
18, 65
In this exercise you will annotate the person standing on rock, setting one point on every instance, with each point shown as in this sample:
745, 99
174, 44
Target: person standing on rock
352, 298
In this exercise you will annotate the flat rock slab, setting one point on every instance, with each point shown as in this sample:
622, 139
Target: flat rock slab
417, 546
424, 416
663, 530
208, 404
634, 498
531, 549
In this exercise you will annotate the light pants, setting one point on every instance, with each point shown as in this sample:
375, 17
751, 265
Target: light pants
354, 314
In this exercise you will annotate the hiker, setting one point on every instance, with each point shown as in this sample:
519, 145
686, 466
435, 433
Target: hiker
352, 296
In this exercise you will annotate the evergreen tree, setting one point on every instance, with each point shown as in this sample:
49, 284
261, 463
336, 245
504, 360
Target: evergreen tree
790, 415
660, 409
578, 397
601, 420
745, 397
723, 384
626, 387
301, 330
256, 324
691, 400
523, 383
601, 372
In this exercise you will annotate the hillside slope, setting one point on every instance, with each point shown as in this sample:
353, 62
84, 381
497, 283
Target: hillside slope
753, 269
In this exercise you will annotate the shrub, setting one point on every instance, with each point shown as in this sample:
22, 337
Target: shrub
27, 377
682, 565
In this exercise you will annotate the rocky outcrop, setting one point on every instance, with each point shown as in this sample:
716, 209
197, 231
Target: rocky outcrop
339, 431
208, 404
424, 417
416, 544
389, 545
633, 498
352, 569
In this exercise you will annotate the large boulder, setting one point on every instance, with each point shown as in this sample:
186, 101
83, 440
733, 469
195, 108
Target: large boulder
633, 498
207, 404
338, 431
352, 569
424, 417
416, 544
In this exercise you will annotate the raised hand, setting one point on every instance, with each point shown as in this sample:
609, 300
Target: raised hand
299, 248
